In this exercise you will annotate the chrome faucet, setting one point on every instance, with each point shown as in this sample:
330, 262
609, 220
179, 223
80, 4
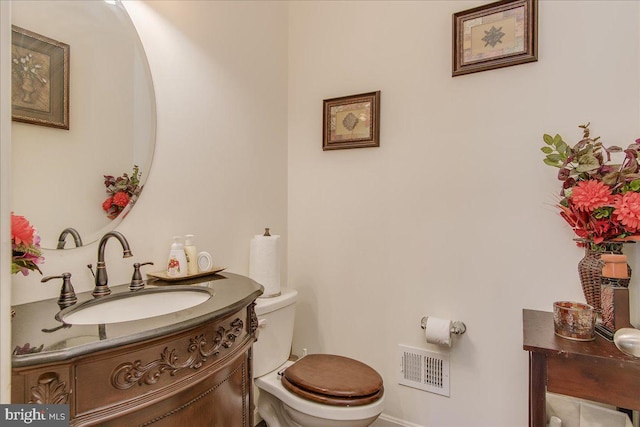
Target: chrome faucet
76, 237
102, 289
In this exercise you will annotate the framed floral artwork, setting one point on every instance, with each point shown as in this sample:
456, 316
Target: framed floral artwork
39, 79
351, 121
495, 35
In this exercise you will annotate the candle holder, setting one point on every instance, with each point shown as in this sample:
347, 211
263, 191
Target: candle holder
614, 296
574, 320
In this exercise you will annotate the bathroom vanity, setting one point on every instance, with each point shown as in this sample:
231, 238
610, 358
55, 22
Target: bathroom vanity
191, 367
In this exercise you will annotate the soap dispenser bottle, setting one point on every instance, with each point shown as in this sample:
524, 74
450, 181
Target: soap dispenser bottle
177, 263
192, 255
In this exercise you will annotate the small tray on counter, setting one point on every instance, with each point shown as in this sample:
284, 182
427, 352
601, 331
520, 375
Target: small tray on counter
162, 275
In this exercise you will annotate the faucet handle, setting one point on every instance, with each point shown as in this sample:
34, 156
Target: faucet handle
67, 294
136, 280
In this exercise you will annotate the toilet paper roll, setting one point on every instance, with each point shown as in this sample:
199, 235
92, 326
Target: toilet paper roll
264, 263
438, 331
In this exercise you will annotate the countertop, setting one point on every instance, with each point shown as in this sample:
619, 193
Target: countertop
35, 323
539, 336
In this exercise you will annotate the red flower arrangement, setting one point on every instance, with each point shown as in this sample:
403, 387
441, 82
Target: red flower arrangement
599, 200
122, 191
25, 245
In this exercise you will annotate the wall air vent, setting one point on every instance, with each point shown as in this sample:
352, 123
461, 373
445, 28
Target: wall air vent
424, 370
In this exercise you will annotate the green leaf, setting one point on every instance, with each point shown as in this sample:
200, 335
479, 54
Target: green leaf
562, 147
635, 185
555, 157
603, 212
552, 163
611, 178
547, 150
587, 162
548, 139
587, 150
557, 140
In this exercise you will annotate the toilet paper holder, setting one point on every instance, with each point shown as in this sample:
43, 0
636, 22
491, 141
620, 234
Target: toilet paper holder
457, 327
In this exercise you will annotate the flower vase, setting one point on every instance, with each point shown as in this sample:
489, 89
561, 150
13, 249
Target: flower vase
590, 270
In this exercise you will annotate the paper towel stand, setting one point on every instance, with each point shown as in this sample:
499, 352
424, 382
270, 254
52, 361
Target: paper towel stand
457, 327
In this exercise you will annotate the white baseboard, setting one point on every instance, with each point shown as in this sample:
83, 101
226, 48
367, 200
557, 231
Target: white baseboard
389, 421
382, 421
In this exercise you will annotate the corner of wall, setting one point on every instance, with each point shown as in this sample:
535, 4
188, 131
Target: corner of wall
5, 222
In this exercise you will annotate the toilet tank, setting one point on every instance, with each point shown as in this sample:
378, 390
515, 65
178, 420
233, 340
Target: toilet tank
275, 332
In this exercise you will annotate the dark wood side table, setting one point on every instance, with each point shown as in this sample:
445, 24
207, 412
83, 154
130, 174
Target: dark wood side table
593, 370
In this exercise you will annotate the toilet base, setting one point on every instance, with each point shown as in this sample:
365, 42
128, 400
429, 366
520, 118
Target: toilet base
278, 414
277, 406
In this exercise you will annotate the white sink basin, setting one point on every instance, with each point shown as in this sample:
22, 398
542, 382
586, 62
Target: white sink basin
137, 305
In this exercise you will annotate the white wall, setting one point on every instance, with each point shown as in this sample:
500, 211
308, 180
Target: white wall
452, 216
5, 210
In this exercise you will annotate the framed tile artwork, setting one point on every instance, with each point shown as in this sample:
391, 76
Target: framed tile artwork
351, 121
495, 35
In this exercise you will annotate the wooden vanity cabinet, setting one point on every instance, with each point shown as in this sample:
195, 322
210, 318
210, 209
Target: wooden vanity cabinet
43, 384
197, 377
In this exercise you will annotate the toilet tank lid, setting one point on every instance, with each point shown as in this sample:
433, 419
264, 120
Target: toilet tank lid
268, 305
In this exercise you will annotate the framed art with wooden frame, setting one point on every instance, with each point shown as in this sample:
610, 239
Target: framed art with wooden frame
39, 79
495, 35
351, 121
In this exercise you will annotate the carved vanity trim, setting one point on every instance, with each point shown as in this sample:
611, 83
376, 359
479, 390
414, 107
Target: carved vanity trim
130, 373
49, 390
253, 322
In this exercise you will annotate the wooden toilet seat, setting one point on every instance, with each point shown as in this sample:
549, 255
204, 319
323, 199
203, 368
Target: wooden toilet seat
333, 380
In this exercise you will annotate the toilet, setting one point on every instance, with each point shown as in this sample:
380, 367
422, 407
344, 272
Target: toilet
318, 390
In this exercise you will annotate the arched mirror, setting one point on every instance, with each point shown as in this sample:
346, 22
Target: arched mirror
58, 174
